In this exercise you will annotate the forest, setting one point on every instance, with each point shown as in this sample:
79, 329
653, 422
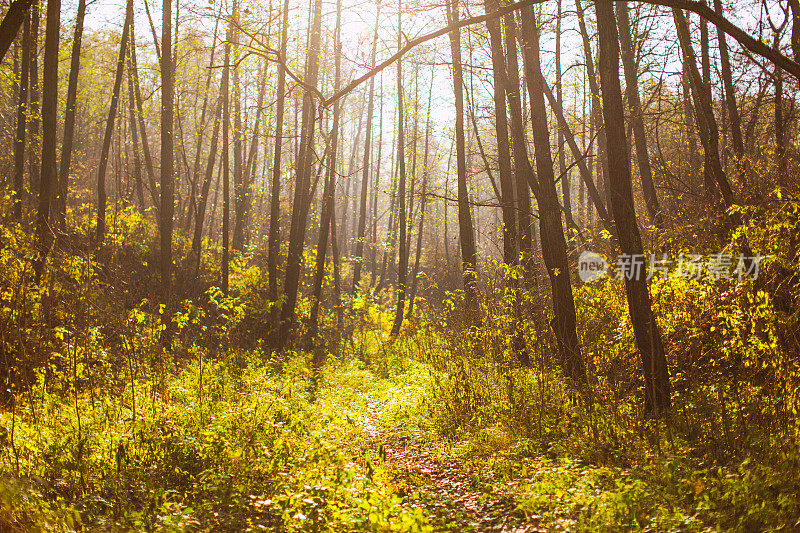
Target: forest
399, 265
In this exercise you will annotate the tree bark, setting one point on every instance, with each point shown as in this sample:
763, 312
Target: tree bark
506, 197
167, 210
730, 92
523, 172
226, 124
13, 19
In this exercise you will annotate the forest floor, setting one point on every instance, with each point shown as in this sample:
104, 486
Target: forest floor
455, 495
365, 445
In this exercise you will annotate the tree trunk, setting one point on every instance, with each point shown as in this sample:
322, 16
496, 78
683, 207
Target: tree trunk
226, 124
22, 120
554, 245
44, 231
402, 264
709, 132
273, 246
523, 172
328, 199
134, 137
648, 337
238, 134
148, 160
466, 234
9, 27
197, 238
637, 114
362, 214
303, 174
730, 92
562, 162
167, 210
69, 115
506, 197
583, 168
422, 203
109, 132
591, 74
34, 143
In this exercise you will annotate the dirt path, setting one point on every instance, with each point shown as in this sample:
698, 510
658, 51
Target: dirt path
455, 498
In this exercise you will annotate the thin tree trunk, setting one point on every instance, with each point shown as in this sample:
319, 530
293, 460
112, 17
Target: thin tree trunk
109, 133
44, 231
730, 92
34, 144
554, 245
135, 138
22, 120
648, 337
69, 115
303, 175
523, 171
274, 217
224, 90
197, 238
199, 148
591, 74
583, 168
562, 163
466, 234
423, 202
362, 215
709, 132
328, 193
238, 134
637, 114
148, 160
402, 265
705, 61
507, 196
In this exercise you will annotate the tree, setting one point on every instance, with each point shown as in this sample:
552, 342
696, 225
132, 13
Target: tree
273, 246
362, 212
22, 119
637, 115
69, 114
510, 248
553, 242
109, 131
646, 332
13, 19
44, 231
402, 264
465, 231
303, 173
326, 227
167, 211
